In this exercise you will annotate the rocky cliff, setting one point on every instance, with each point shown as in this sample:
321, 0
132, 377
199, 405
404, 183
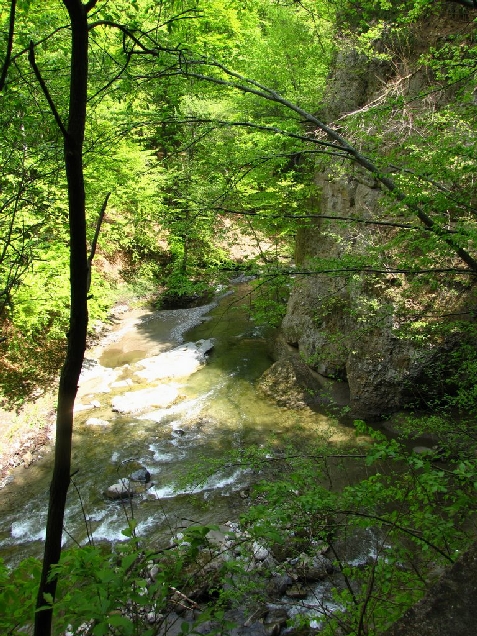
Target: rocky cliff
348, 326
343, 326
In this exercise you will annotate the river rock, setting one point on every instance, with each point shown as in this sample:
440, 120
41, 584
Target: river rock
126, 488
297, 591
27, 459
142, 475
95, 379
278, 585
123, 489
156, 397
96, 421
275, 619
289, 382
260, 553
178, 363
315, 569
423, 450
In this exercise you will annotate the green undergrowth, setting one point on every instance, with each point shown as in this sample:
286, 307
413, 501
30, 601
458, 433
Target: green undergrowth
412, 514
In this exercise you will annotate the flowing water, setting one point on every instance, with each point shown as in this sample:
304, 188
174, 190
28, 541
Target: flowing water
202, 412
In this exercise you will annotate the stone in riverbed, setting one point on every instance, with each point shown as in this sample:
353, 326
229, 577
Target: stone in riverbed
177, 363
260, 553
142, 475
278, 585
315, 569
290, 383
275, 619
135, 401
297, 591
125, 488
96, 421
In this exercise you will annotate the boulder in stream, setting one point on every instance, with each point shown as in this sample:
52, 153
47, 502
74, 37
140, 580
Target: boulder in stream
126, 488
135, 401
313, 569
122, 489
177, 363
142, 475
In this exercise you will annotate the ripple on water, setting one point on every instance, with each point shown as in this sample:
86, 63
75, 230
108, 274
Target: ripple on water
112, 527
162, 456
28, 530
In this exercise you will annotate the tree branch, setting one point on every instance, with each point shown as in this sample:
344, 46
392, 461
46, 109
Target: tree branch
44, 88
253, 212
408, 531
112, 80
143, 49
371, 270
248, 124
247, 85
90, 5
8, 55
94, 243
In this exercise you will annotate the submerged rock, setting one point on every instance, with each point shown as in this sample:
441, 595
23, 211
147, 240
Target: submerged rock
178, 363
135, 401
290, 383
96, 421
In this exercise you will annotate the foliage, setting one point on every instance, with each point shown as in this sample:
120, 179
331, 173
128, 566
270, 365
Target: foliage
18, 595
185, 160
171, 174
409, 514
130, 590
388, 520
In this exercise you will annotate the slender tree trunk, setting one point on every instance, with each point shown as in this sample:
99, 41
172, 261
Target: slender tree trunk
73, 144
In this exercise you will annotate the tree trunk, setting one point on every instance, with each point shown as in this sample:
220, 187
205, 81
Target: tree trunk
73, 145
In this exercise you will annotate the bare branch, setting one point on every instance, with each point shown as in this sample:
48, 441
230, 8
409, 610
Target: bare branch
112, 80
372, 270
248, 124
96, 236
352, 219
44, 88
412, 533
8, 55
153, 51
38, 42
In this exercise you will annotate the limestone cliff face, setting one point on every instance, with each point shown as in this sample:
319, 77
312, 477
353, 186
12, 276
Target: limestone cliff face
344, 327
340, 325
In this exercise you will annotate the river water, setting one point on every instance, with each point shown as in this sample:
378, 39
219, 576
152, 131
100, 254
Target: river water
195, 418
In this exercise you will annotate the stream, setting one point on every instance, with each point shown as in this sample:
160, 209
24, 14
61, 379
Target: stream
193, 371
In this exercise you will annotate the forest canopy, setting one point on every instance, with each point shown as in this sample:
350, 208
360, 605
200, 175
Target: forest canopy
187, 141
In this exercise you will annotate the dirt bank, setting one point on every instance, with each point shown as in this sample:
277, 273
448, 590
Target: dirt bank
26, 434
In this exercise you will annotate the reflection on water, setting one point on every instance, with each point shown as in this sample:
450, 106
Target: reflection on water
216, 410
